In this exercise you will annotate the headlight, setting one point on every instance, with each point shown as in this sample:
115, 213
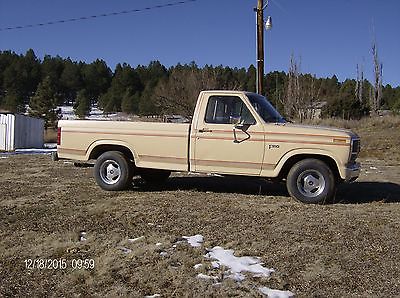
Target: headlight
354, 150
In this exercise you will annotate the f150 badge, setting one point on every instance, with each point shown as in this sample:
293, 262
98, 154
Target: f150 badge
273, 146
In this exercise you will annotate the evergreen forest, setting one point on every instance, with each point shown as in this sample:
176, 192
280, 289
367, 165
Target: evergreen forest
38, 86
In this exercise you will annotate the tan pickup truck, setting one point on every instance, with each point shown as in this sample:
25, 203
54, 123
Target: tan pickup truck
231, 133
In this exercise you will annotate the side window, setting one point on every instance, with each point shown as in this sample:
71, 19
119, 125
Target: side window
227, 110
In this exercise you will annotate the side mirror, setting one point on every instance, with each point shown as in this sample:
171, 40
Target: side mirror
243, 127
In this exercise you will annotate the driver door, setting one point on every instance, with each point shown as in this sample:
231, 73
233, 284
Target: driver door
228, 139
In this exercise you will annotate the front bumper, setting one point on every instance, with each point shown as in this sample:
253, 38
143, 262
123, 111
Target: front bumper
352, 171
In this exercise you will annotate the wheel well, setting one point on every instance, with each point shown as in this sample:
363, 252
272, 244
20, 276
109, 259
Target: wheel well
296, 158
99, 150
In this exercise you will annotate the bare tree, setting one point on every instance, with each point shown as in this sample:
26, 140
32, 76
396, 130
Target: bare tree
291, 99
301, 93
179, 92
376, 94
360, 83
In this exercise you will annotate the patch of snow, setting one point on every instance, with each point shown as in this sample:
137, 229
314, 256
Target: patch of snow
3, 157
33, 151
194, 241
150, 224
238, 265
276, 293
82, 236
67, 113
131, 240
158, 244
238, 277
163, 254
153, 296
50, 145
373, 168
207, 277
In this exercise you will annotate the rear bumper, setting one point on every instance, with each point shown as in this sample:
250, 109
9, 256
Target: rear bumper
352, 172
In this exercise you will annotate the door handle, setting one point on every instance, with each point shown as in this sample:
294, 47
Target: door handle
205, 130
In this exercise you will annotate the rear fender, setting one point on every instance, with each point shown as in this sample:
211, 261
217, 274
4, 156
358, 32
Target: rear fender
95, 145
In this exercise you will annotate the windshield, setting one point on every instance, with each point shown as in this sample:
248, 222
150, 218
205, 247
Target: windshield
265, 109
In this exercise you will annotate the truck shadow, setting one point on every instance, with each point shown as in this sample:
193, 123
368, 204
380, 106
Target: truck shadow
367, 192
355, 193
237, 185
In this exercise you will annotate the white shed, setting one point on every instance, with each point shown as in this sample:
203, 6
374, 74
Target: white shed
20, 131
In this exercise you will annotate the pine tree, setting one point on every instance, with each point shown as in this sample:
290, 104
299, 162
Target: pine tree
130, 102
125, 77
44, 103
82, 104
70, 80
96, 79
13, 102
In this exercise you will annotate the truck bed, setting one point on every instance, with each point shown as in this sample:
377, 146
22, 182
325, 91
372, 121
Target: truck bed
153, 145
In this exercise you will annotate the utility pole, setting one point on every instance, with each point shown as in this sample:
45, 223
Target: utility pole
260, 47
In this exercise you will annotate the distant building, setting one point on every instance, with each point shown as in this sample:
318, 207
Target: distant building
383, 113
314, 110
20, 131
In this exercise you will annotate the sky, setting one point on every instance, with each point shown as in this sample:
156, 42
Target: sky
328, 37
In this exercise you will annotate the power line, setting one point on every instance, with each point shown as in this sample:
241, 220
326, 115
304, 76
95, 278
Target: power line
84, 18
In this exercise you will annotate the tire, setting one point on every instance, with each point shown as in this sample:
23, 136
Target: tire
311, 181
154, 177
113, 171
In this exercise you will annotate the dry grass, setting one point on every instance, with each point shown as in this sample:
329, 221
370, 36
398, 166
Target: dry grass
348, 249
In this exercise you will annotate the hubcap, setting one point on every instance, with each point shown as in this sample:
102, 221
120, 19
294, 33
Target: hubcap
110, 172
311, 183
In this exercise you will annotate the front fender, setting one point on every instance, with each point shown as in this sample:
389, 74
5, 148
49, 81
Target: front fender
310, 152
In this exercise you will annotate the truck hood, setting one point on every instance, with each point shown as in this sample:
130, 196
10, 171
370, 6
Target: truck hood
312, 130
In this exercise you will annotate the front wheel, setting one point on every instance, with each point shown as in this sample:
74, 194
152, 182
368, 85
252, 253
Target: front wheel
311, 181
113, 171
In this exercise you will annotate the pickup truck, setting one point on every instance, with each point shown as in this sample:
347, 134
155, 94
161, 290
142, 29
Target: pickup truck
231, 133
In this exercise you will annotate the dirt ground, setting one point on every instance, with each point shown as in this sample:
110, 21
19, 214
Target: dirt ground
56, 211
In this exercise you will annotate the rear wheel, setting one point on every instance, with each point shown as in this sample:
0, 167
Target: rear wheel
113, 171
311, 181
154, 176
